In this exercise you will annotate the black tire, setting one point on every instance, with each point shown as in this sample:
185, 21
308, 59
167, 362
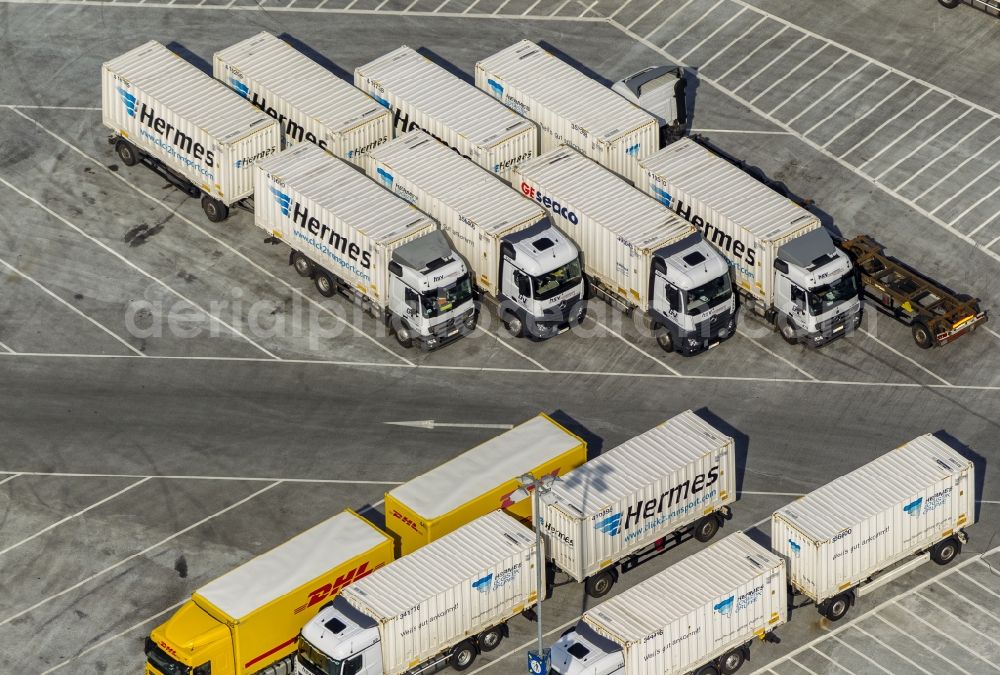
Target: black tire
490, 638
214, 209
303, 266
950, 4
787, 331
462, 656
922, 335
732, 661
127, 152
325, 285
469, 324
513, 324
663, 337
836, 607
946, 550
403, 334
710, 669
706, 528
600, 584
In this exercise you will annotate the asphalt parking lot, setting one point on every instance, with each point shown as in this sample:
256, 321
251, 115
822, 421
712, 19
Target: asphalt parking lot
176, 400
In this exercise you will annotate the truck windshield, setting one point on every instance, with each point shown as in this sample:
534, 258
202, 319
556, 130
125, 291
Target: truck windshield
824, 298
319, 661
444, 299
162, 661
707, 296
553, 283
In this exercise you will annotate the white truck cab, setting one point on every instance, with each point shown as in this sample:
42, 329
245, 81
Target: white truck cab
581, 651
660, 91
339, 641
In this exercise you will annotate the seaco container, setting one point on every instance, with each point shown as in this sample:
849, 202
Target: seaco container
746, 220
479, 481
324, 207
617, 227
423, 95
642, 490
570, 107
836, 537
311, 103
192, 123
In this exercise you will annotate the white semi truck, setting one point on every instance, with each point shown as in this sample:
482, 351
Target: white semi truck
636, 252
785, 265
350, 235
442, 604
518, 258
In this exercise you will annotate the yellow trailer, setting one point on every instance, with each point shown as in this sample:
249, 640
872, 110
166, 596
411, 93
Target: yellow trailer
248, 621
480, 481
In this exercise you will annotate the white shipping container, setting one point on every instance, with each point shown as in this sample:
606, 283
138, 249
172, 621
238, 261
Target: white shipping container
697, 609
889, 509
423, 95
746, 220
616, 226
339, 218
471, 579
195, 125
644, 489
570, 107
475, 208
311, 103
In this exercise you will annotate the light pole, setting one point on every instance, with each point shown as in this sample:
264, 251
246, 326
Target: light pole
538, 662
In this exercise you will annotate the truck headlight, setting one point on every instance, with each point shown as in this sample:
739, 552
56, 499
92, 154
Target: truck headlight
694, 342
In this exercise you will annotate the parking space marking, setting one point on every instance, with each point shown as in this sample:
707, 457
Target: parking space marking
769, 64
868, 112
807, 83
511, 347
835, 664
143, 552
985, 588
751, 53
925, 598
945, 635
966, 600
697, 21
864, 656
965, 187
909, 131
137, 268
974, 205
258, 479
775, 355
904, 356
789, 74
623, 5
650, 9
829, 91
7, 349
713, 33
720, 52
885, 123
73, 308
621, 337
889, 647
9, 478
943, 154
847, 102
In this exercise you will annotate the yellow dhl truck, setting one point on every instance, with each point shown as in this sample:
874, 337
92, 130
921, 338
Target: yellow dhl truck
247, 621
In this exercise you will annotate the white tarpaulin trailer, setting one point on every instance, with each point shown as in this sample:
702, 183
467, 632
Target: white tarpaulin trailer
311, 103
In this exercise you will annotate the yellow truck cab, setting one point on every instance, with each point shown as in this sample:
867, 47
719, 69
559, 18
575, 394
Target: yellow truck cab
248, 620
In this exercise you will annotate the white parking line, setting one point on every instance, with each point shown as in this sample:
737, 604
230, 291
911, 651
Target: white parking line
535, 4
897, 629
623, 5
830, 91
654, 6
835, 664
937, 631
979, 201
511, 348
587, 8
557, 9
889, 647
789, 74
864, 656
807, 83
713, 33
697, 21
953, 147
249, 479
953, 171
621, 337
909, 131
884, 124
985, 588
904, 356
940, 607
967, 601
969, 184
776, 355
7, 349
9, 478
141, 553
469, 8
847, 102
868, 112
136, 267
73, 308
74, 515
770, 63
720, 52
752, 52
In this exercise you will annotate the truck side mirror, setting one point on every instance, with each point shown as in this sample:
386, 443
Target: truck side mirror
781, 265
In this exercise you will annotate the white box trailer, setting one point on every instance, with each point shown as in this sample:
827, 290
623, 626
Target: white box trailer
636, 252
186, 125
679, 474
775, 247
702, 611
351, 235
570, 107
446, 601
912, 501
500, 234
423, 95
311, 103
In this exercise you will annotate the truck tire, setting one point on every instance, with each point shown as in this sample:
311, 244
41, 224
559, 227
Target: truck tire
471, 322
922, 335
946, 550
706, 528
402, 333
663, 337
513, 324
127, 152
600, 584
490, 638
463, 655
950, 4
732, 661
787, 330
709, 669
325, 284
836, 607
214, 209
303, 266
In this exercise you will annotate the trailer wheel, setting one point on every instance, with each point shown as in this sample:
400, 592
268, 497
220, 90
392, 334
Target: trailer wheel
599, 584
126, 152
325, 284
708, 670
946, 550
490, 638
303, 266
706, 528
922, 335
463, 655
950, 4
836, 607
663, 337
214, 209
732, 661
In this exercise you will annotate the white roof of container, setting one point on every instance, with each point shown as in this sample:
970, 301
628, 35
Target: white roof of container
311, 88
873, 488
458, 105
683, 587
286, 567
485, 467
355, 199
437, 567
566, 91
604, 197
636, 463
727, 190
188, 92
464, 186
